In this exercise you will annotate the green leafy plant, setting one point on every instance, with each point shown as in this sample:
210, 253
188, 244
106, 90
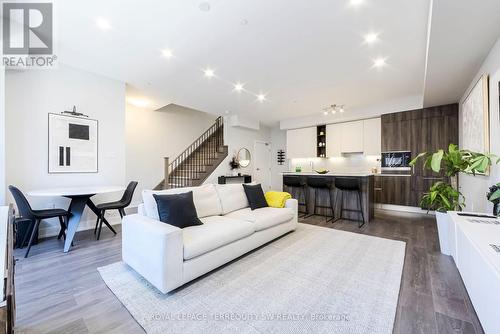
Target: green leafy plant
442, 197
455, 161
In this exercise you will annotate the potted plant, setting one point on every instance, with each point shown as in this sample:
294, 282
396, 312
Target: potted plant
443, 197
494, 197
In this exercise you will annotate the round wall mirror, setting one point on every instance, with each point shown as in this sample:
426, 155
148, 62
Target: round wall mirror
244, 157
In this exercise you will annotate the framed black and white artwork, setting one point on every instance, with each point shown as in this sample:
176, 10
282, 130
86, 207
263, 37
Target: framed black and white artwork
72, 144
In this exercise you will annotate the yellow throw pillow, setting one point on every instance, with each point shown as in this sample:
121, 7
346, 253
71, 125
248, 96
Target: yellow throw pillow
277, 199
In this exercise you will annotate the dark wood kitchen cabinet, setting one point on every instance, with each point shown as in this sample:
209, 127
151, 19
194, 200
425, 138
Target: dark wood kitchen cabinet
395, 132
421, 130
395, 190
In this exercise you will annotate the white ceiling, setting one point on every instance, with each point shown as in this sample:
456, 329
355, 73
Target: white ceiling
462, 34
304, 55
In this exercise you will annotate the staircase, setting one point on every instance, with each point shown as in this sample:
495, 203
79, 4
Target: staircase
198, 161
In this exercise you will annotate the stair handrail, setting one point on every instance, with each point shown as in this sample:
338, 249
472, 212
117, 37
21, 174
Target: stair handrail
182, 157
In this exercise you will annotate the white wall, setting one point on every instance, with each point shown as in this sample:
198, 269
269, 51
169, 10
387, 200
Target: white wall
278, 142
30, 96
475, 188
153, 135
2, 134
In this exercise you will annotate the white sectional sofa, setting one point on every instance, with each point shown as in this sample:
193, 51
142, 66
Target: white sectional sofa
169, 257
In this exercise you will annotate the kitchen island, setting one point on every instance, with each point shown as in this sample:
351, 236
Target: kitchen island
350, 198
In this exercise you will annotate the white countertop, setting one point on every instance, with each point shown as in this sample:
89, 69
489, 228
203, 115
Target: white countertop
358, 174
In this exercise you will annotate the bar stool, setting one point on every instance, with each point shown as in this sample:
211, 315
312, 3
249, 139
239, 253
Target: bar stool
294, 182
349, 184
320, 183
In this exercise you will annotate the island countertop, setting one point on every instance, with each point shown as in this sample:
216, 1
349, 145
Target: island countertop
352, 174
317, 199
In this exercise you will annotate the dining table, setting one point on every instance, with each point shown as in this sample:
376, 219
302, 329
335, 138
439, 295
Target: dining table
80, 198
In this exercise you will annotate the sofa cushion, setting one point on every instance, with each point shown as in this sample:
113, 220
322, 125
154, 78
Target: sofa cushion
264, 217
205, 200
215, 232
232, 197
177, 209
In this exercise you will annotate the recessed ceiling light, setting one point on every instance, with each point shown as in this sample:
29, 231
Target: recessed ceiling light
379, 62
371, 38
103, 24
238, 87
167, 53
204, 6
261, 97
356, 2
209, 72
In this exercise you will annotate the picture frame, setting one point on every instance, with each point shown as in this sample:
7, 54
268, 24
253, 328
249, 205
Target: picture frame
475, 118
72, 144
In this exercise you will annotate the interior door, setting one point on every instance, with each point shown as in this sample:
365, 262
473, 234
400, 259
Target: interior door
262, 164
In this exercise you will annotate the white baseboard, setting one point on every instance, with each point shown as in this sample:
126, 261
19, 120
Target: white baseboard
401, 208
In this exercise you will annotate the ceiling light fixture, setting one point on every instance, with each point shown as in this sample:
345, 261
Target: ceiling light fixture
379, 62
103, 24
261, 97
371, 38
356, 2
333, 109
238, 87
209, 73
167, 53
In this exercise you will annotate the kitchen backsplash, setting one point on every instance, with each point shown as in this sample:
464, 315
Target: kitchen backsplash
347, 163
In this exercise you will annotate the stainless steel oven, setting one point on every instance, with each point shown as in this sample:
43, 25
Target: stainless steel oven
396, 161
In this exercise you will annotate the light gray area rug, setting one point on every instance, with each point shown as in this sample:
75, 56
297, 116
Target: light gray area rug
314, 280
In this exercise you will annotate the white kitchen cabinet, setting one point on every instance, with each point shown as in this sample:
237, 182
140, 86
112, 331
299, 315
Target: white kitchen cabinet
372, 138
301, 143
333, 140
352, 137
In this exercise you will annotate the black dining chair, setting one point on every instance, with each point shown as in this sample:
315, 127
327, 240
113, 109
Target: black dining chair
35, 216
117, 205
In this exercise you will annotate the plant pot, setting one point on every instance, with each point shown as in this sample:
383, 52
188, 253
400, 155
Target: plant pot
444, 230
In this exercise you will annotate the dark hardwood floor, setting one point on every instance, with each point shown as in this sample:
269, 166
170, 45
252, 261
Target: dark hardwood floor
63, 293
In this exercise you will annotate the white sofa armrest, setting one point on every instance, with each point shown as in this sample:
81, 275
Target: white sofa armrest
141, 210
294, 205
153, 249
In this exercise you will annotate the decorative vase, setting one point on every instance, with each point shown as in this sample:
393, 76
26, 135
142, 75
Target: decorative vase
443, 226
496, 208
235, 172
